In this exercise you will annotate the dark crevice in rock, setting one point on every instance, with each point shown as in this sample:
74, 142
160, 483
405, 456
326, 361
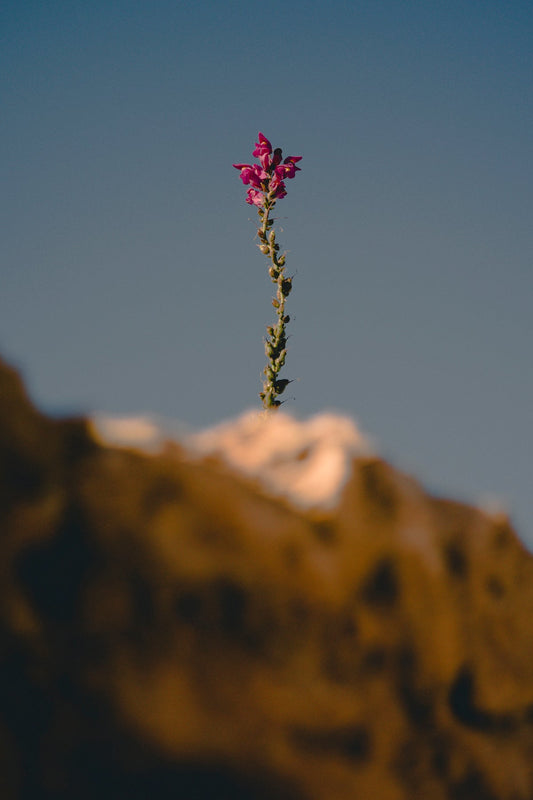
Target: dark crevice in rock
351, 742
416, 701
463, 707
53, 571
456, 560
381, 589
472, 786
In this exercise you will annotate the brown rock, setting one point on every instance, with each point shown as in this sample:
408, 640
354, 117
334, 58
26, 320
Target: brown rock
169, 630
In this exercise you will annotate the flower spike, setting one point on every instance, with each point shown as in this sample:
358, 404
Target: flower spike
266, 182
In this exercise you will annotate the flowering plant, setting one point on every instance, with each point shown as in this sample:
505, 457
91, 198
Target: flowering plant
267, 185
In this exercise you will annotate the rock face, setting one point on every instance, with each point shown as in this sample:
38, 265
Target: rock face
172, 629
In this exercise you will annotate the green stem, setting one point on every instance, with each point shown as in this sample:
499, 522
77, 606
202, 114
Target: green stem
276, 342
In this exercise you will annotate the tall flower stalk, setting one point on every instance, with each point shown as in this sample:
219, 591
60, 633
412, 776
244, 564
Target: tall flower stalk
267, 185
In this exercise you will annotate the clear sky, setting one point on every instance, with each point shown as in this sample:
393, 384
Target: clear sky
130, 277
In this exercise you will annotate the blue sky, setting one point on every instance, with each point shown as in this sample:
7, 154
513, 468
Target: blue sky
130, 277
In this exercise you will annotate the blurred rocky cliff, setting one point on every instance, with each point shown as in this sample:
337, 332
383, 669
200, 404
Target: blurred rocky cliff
227, 619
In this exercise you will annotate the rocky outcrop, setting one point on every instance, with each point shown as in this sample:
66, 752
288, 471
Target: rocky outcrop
170, 628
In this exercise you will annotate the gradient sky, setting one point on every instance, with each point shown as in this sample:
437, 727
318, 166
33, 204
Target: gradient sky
130, 277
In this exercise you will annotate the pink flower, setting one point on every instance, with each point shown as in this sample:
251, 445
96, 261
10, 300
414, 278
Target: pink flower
278, 191
276, 184
288, 169
255, 198
263, 149
252, 174
266, 178
275, 180
285, 171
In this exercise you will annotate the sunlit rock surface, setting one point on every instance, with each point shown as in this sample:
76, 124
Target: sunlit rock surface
264, 610
308, 462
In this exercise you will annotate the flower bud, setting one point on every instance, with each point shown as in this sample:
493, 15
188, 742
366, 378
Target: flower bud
273, 351
265, 249
286, 287
280, 361
281, 261
275, 302
273, 272
281, 385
